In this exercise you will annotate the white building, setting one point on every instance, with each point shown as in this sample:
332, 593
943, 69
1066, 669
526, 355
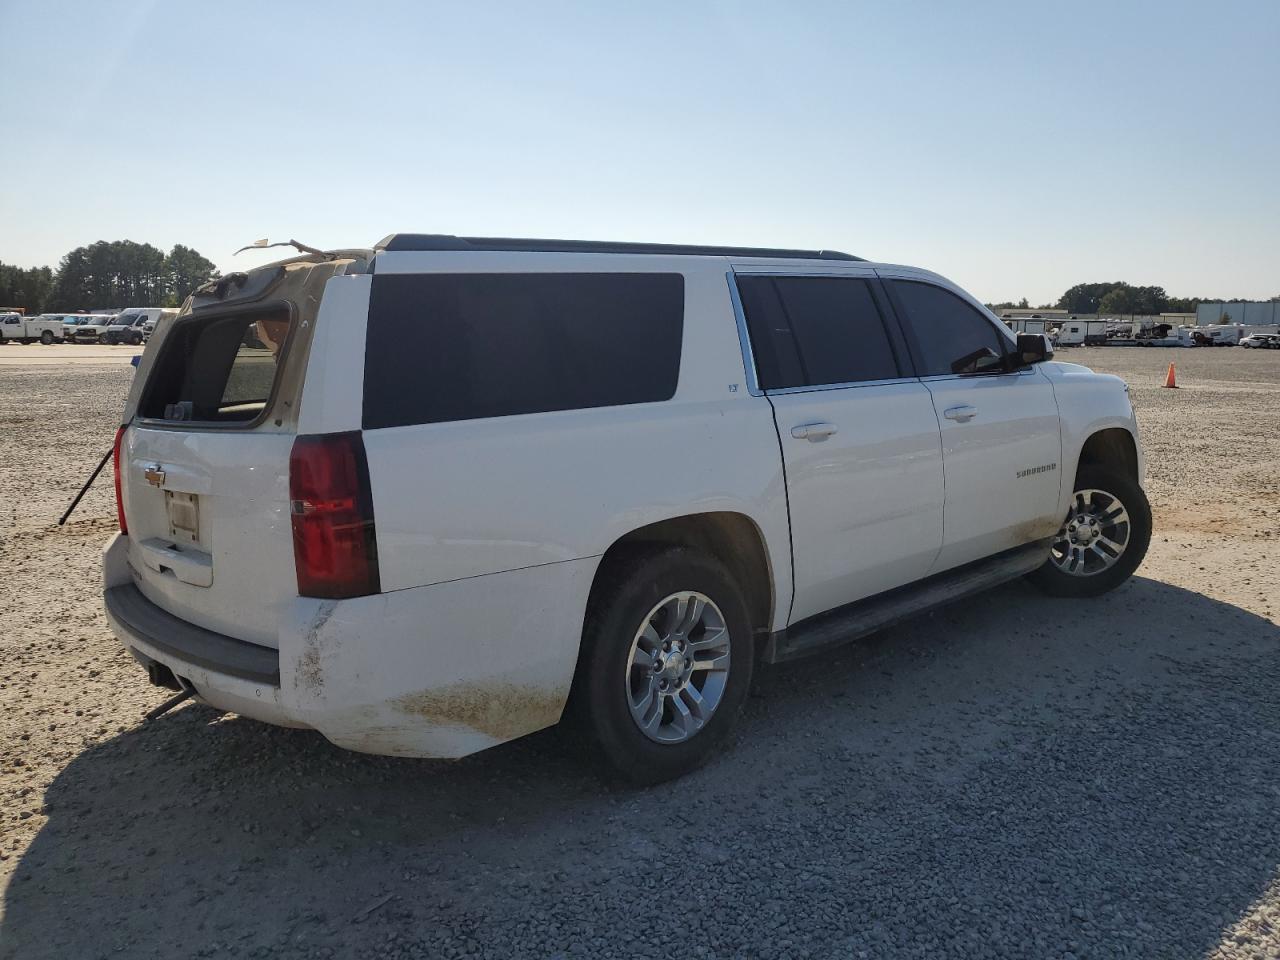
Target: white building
1252, 313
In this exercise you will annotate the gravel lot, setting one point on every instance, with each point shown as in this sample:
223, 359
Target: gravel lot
1011, 777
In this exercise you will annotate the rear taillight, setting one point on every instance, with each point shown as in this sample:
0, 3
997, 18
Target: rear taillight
334, 545
115, 468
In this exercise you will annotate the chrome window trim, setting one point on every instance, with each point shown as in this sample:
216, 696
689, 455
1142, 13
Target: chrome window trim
849, 385
1020, 372
744, 338
865, 273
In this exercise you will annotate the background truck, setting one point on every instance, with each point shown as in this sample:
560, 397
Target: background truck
94, 328
135, 324
16, 327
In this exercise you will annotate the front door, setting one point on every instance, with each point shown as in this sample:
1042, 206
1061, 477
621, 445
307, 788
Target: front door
860, 443
1001, 437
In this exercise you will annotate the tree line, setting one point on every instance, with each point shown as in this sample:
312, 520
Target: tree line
1118, 298
118, 273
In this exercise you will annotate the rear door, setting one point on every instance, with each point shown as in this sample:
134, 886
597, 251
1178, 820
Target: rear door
859, 438
1000, 429
205, 459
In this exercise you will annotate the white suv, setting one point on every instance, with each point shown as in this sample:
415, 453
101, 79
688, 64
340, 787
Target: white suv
425, 497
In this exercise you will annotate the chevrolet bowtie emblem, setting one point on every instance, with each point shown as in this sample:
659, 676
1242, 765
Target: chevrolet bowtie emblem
154, 475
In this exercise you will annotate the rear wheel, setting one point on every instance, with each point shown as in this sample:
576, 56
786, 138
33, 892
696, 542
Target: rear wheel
1102, 540
666, 664
47, 337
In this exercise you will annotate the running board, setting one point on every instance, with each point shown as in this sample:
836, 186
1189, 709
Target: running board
854, 620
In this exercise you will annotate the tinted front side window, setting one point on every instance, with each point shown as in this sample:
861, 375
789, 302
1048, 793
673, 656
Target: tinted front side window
444, 347
813, 331
947, 330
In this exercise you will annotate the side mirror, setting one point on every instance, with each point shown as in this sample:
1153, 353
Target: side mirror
1034, 348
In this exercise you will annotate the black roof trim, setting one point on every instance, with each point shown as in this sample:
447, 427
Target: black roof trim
440, 241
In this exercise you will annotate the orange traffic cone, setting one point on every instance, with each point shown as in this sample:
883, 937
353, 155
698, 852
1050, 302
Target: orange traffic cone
1171, 379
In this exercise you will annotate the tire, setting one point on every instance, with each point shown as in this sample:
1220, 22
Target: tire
47, 337
1110, 488
639, 588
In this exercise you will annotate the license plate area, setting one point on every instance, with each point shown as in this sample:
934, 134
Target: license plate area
183, 510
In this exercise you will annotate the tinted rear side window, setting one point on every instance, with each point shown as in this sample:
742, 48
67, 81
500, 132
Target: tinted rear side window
813, 331
444, 347
946, 330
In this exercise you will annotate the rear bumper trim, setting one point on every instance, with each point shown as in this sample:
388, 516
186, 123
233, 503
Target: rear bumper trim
189, 643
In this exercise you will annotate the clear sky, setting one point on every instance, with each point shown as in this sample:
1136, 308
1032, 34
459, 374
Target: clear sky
1016, 147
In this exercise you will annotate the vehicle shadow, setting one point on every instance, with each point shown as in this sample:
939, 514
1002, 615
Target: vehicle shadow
1012, 774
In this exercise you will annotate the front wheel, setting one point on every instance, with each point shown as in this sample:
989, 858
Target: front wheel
1103, 538
666, 664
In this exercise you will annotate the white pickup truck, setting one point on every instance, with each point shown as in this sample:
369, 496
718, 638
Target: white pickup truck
16, 328
93, 328
430, 496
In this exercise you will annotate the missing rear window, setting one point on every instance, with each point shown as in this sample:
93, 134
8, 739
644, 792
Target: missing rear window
218, 369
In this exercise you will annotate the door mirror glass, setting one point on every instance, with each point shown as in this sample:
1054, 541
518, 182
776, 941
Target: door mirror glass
1034, 348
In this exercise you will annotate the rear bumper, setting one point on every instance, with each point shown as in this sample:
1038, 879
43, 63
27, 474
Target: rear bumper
133, 614
435, 671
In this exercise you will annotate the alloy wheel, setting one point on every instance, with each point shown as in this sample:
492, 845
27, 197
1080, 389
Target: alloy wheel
1094, 535
678, 667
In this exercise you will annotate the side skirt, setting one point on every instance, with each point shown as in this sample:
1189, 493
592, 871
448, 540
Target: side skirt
854, 620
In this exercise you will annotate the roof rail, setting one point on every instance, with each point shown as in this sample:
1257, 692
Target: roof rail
440, 241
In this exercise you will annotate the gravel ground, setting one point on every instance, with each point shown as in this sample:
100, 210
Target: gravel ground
1010, 777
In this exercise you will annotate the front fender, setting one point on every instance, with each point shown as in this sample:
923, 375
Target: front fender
1088, 403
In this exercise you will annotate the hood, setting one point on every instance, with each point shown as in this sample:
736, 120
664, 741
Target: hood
1063, 371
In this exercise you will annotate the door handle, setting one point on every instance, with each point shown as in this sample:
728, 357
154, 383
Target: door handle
961, 414
813, 432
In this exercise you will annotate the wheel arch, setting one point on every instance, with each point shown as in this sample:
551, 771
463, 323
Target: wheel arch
732, 538
1113, 447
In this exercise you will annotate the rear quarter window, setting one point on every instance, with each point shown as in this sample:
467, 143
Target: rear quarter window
444, 347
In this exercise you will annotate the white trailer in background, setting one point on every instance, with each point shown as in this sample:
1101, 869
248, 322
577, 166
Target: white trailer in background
1178, 337
1220, 334
1031, 325
1075, 333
